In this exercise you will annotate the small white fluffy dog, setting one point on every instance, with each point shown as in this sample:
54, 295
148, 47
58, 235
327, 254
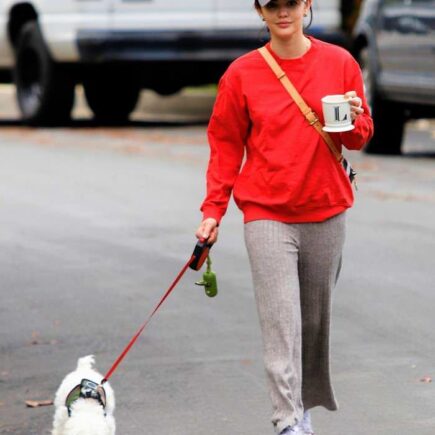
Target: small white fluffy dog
85, 415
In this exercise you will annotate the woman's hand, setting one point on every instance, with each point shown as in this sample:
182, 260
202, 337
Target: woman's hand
208, 230
355, 104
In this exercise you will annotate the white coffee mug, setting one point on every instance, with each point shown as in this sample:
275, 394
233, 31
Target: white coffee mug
336, 112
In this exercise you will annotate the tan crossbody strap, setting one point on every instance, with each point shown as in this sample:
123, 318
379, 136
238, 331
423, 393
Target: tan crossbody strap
310, 116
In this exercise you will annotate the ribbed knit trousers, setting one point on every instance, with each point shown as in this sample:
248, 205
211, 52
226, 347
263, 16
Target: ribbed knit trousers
295, 268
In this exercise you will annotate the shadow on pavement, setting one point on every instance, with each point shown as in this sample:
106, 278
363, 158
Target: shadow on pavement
419, 155
89, 123
10, 123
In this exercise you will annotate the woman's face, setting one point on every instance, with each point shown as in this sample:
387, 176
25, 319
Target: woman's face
284, 18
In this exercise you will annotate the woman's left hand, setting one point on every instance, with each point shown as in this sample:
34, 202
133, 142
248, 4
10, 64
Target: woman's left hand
355, 104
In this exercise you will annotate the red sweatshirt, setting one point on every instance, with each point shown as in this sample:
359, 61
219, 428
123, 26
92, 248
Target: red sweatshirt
289, 174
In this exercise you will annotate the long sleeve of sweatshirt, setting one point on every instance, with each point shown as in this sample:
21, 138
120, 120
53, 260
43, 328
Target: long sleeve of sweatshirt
227, 134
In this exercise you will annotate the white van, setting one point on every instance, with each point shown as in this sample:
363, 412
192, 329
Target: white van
117, 47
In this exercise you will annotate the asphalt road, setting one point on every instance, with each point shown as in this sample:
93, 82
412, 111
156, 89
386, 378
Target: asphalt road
96, 222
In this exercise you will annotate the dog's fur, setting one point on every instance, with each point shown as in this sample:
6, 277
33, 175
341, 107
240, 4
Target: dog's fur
87, 415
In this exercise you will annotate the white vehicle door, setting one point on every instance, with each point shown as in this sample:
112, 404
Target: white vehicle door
239, 28
162, 15
162, 29
69, 19
240, 15
94, 13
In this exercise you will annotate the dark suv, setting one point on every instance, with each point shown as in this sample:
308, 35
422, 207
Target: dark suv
394, 41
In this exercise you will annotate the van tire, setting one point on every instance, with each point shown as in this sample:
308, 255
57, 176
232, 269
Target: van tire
388, 117
45, 90
111, 98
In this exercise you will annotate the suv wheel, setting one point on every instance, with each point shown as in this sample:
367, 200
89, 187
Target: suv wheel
111, 97
388, 117
45, 91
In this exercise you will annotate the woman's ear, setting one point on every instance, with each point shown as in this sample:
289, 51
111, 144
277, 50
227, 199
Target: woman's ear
260, 14
308, 5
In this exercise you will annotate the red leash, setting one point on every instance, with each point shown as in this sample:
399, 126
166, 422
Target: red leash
139, 332
196, 260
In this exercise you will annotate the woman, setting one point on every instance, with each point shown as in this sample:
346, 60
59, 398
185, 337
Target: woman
293, 194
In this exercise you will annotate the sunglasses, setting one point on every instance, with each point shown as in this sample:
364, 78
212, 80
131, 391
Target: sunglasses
291, 4
86, 390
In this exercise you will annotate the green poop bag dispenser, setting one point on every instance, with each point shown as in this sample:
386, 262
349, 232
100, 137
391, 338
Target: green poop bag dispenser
209, 281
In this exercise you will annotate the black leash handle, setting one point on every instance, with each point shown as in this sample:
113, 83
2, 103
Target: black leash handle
200, 254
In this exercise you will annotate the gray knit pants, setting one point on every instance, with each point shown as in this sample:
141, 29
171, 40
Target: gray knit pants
295, 268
